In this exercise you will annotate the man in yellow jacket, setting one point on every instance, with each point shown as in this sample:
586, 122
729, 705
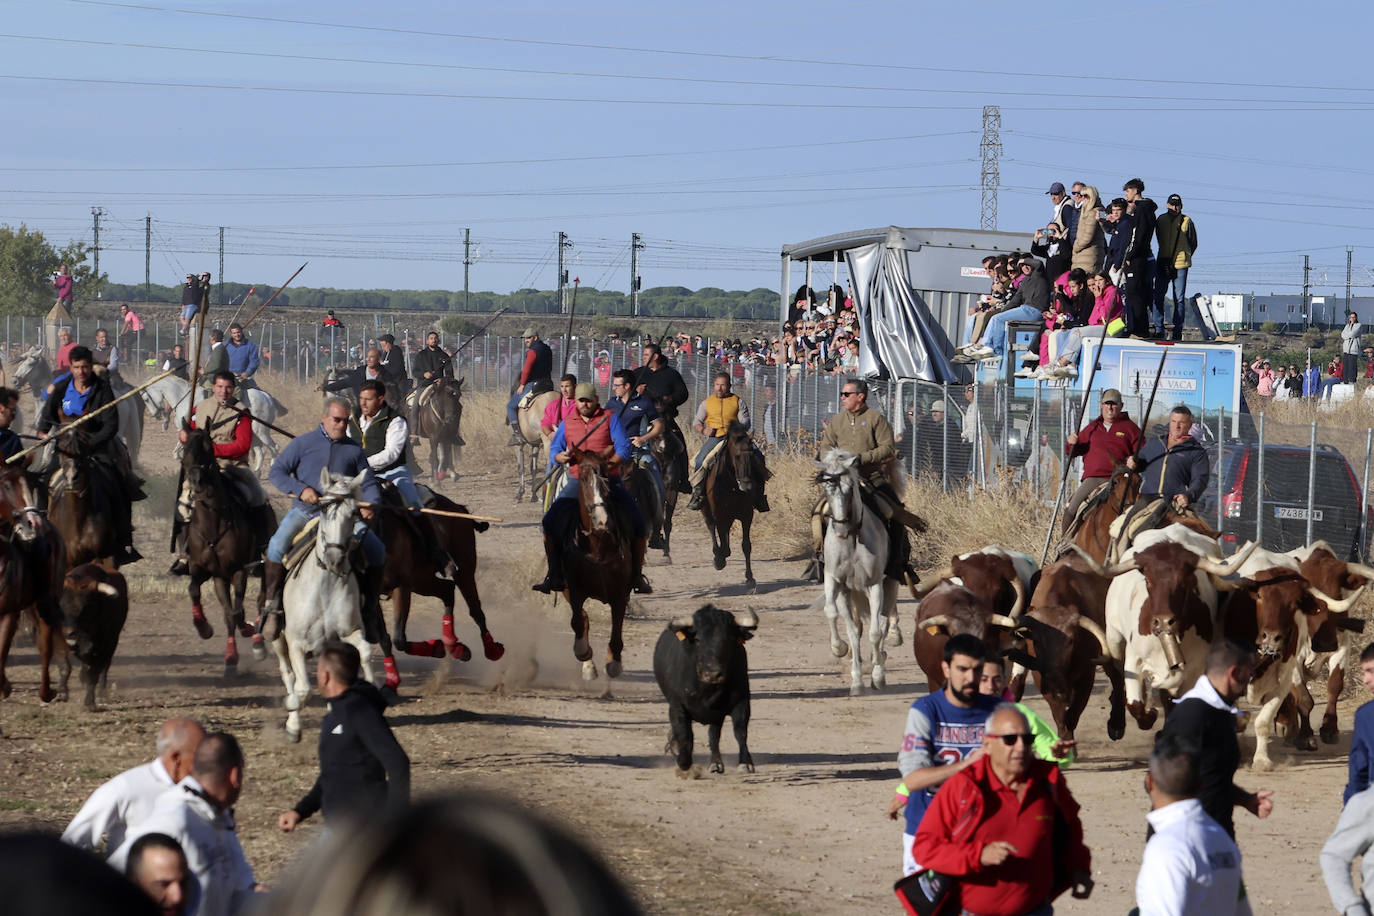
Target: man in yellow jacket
1177, 236
713, 418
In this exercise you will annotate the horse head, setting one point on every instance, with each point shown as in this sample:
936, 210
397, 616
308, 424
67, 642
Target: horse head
838, 474
739, 452
31, 369
338, 505
593, 490
17, 504
197, 454
447, 403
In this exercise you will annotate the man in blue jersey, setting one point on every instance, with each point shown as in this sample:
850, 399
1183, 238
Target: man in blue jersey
944, 734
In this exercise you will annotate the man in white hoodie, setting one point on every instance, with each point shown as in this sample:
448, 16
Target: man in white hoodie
198, 813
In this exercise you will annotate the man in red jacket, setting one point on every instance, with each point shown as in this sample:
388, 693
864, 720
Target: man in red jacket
1007, 828
1104, 443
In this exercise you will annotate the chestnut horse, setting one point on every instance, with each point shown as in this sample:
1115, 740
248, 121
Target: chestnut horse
1094, 536
33, 560
597, 563
730, 497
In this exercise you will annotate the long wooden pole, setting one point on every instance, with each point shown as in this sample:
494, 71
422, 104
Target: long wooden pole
201, 312
1068, 459
472, 337
275, 295
241, 302
446, 513
88, 416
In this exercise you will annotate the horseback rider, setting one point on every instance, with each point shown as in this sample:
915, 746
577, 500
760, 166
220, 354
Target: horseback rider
1173, 466
392, 362
592, 429
353, 379
10, 443
231, 431
558, 411
217, 360
535, 375
385, 437
80, 393
642, 424
431, 363
663, 385
243, 357
106, 354
297, 472
1104, 443
862, 431
713, 418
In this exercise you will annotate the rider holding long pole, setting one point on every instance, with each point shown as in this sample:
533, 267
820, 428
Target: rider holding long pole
663, 385
1104, 443
535, 375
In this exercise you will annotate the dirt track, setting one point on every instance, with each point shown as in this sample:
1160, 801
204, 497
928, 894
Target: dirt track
806, 834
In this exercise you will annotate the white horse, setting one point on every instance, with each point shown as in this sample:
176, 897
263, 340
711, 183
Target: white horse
169, 399
33, 371
856, 546
321, 596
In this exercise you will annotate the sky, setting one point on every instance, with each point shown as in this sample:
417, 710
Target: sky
366, 138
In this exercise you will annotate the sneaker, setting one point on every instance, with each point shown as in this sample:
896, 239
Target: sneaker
962, 358
1027, 372
1030, 356
980, 352
1065, 372
988, 357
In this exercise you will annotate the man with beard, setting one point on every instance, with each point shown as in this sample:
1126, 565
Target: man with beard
663, 385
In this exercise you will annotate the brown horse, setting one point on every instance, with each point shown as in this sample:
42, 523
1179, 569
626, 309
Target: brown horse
438, 420
33, 560
1094, 535
87, 502
223, 539
598, 563
665, 450
410, 571
730, 497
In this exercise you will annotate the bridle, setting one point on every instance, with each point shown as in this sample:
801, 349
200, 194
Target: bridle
844, 528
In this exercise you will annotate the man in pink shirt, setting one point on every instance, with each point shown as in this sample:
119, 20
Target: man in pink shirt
129, 326
565, 406
65, 344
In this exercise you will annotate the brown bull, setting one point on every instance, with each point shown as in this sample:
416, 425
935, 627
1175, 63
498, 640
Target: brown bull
949, 609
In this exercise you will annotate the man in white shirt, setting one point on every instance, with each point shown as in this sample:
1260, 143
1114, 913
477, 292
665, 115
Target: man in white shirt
120, 804
198, 813
1191, 865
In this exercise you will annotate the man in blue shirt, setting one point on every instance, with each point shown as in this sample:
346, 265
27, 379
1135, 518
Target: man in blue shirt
243, 356
1362, 741
297, 472
642, 424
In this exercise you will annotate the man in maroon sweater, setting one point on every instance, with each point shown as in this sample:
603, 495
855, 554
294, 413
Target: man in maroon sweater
1104, 443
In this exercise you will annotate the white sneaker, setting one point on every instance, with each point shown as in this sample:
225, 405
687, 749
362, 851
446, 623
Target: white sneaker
1044, 374
980, 352
1026, 372
1030, 356
1066, 372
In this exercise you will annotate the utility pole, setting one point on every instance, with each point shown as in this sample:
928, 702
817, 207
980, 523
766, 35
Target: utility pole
1307, 287
147, 257
1349, 256
636, 246
221, 266
96, 213
991, 148
467, 262
563, 244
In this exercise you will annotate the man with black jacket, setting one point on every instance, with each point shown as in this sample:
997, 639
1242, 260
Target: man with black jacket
393, 365
1206, 715
363, 769
1140, 260
663, 385
431, 363
1172, 467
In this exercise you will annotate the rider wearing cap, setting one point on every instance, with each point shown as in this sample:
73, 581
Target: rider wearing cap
598, 431
1104, 443
535, 375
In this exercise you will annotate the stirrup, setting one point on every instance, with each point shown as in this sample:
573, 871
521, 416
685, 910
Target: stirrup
549, 586
642, 586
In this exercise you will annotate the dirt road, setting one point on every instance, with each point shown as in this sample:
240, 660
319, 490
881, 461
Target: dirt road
806, 834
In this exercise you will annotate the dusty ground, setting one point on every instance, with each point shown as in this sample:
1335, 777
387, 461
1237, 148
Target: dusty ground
806, 834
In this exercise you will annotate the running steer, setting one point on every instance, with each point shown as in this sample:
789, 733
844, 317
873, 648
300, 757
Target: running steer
94, 604
702, 668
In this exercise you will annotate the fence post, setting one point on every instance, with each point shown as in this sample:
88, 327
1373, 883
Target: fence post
1221, 464
1364, 496
944, 436
1311, 480
1259, 487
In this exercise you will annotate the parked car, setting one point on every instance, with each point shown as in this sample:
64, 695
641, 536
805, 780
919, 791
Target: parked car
1336, 502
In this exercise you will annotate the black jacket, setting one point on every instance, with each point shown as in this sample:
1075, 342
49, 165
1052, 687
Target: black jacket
663, 384
1214, 732
1170, 471
362, 767
436, 361
1142, 230
98, 431
1033, 291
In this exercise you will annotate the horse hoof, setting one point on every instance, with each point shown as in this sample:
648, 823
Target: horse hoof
718, 562
839, 650
389, 696
1262, 765
293, 735
751, 585
458, 651
203, 627
856, 690
589, 670
492, 649
259, 649
1307, 743
747, 767
582, 650
231, 668
1116, 732
613, 668
879, 682
689, 773
1330, 736
894, 637
717, 767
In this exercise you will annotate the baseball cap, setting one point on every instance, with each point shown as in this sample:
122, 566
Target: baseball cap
1056, 188
585, 390
1175, 200
1111, 396
530, 332
937, 406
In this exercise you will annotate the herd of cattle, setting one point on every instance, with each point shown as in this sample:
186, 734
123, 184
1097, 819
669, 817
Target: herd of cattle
1147, 621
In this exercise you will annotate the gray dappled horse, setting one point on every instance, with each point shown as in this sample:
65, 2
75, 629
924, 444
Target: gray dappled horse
169, 399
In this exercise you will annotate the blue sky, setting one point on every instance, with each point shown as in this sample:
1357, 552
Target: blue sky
366, 137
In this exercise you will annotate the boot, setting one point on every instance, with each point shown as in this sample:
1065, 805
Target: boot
516, 437
370, 580
180, 566
641, 582
273, 577
698, 500
128, 555
761, 500
553, 580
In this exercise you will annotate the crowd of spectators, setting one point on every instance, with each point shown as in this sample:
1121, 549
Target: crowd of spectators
1312, 381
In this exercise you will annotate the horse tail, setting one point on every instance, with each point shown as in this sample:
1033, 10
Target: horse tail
281, 408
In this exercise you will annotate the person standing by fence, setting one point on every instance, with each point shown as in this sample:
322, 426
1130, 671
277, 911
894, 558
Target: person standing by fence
130, 325
1350, 349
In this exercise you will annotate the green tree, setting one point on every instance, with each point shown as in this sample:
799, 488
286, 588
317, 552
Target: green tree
27, 263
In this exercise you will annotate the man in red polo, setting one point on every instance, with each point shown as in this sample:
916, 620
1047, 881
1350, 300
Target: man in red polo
993, 827
1104, 443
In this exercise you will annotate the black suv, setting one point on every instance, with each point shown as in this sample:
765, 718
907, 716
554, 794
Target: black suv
1336, 502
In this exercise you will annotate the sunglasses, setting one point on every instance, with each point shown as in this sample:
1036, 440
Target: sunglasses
1010, 739
845, 394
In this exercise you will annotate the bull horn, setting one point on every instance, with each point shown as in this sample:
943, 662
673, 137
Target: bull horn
1116, 569
1231, 564
106, 588
1020, 604
1358, 569
933, 580
1087, 558
1094, 630
939, 620
681, 623
1332, 604
746, 619
1002, 620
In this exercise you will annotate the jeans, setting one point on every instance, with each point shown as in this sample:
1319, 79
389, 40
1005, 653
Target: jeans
645, 459
400, 479
1178, 286
619, 495
514, 402
996, 334
373, 549
705, 450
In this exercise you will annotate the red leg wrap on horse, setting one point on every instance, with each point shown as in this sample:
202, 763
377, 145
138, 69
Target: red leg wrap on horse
447, 633
202, 625
491, 648
231, 650
393, 677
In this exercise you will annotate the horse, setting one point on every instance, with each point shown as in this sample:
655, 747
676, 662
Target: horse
33, 560
534, 445
33, 372
321, 597
639, 481
1094, 535
410, 571
856, 546
665, 449
438, 420
597, 564
729, 498
169, 400
223, 539
87, 502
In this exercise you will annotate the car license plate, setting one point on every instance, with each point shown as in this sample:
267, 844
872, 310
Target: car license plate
1286, 512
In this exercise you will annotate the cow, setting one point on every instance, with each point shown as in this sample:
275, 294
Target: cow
94, 603
703, 670
1064, 631
1331, 643
1161, 614
1273, 606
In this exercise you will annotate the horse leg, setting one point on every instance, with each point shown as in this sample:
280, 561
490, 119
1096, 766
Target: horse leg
669, 506
364, 654
231, 646
844, 608
400, 603
582, 647
747, 546
717, 557
298, 691
880, 598
449, 641
617, 644
9, 622
239, 583
203, 627
524, 460
838, 647
467, 585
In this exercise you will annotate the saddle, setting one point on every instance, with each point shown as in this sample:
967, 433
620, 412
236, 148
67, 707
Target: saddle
301, 546
1094, 499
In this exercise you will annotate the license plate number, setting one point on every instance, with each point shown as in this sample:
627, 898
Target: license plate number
1285, 512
